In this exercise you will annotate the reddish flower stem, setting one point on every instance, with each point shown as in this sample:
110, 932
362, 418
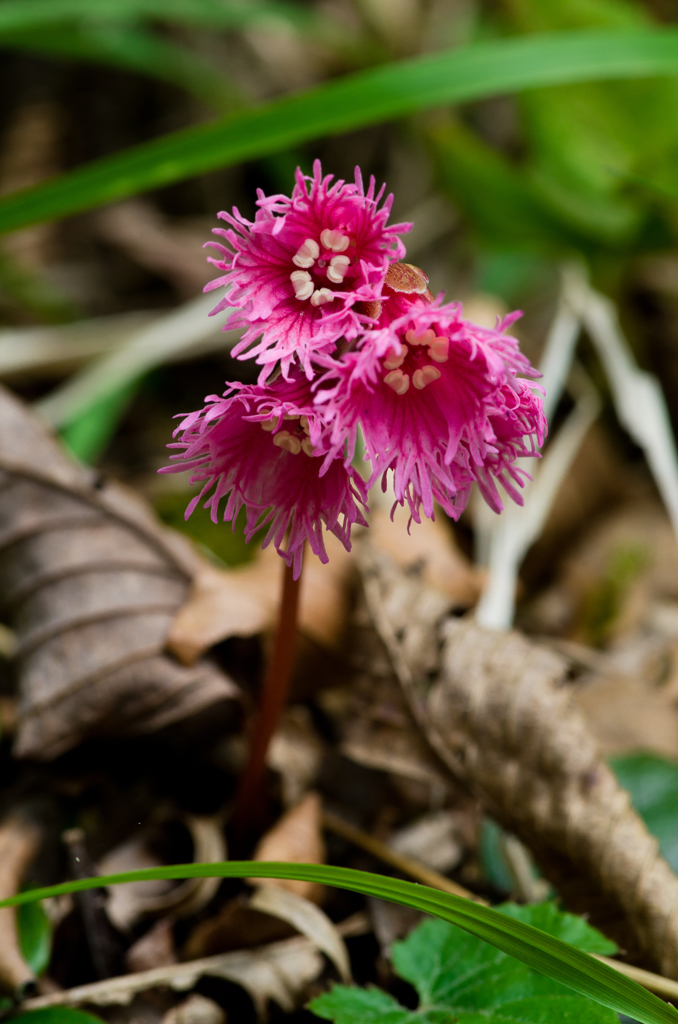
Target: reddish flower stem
249, 796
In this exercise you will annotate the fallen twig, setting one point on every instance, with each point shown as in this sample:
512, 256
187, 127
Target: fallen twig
277, 958
656, 983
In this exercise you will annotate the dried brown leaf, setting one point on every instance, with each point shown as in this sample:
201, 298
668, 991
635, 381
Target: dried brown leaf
308, 919
196, 1009
236, 925
154, 949
19, 839
432, 549
279, 972
296, 837
498, 712
129, 903
296, 752
627, 713
90, 583
243, 602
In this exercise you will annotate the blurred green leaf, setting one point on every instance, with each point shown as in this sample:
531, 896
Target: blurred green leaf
653, 785
224, 540
35, 936
18, 15
357, 100
57, 1015
604, 601
538, 950
88, 435
133, 48
500, 203
583, 142
492, 857
33, 292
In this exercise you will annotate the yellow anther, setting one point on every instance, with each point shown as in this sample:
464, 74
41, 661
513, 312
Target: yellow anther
394, 360
336, 241
397, 380
425, 375
306, 446
290, 443
302, 284
337, 269
420, 337
439, 350
307, 254
322, 296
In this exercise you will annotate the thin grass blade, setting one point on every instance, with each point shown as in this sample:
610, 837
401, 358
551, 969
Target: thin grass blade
542, 952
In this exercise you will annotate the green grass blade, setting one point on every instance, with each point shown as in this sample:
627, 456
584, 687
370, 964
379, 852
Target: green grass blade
133, 48
542, 952
18, 15
352, 102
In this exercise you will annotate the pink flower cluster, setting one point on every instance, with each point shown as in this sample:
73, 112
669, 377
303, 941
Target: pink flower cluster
349, 338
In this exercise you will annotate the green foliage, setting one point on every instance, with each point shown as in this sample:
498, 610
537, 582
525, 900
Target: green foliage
57, 1015
220, 540
653, 785
604, 600
131, 47
537, 949
584, 146
88, 435
20, 15
458, 977
122, 33
354, 101
35, 937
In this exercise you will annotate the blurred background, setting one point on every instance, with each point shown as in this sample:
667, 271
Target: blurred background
506, 195
560, 201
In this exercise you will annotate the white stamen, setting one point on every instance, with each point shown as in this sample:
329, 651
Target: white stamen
302, 284
337, 268
421, 338
306, 446
303, 423
398, 380
439, 350
322, 296
307, 254
426, 375
334, 240
269, 424
290, 443
393, 360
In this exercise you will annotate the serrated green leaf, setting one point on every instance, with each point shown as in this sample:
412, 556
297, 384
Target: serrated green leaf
35, 936
569, 927
451, 968
358, 100
538, 950
347, 1004
458, 977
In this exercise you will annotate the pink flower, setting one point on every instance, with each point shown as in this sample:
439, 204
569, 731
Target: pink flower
262, 446
439, 402
297, 272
